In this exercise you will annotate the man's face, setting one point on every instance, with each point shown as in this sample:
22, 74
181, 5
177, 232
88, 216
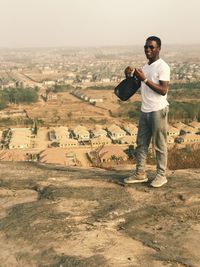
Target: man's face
151, 50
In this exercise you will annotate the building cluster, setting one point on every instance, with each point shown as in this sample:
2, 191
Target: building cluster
185, 72
79, 94
184, 133
83, 67
24, 138
81, 136
4, 114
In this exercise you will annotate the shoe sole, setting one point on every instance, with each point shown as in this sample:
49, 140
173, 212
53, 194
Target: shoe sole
156, 186
136, 181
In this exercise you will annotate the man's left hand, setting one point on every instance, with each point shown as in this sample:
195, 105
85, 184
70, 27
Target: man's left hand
139, 74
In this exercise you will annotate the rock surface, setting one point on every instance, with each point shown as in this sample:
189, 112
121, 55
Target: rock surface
56, 216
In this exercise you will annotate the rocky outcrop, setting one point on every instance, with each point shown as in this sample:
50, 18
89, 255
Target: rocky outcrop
58, 216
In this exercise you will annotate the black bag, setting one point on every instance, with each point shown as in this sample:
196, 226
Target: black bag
127, 88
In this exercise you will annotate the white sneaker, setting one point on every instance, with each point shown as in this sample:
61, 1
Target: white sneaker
159, 181
136, 178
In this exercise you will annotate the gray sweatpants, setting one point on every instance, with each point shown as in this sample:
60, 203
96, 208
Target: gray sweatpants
152, 125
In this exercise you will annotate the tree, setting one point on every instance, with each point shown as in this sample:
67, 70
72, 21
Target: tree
20, 95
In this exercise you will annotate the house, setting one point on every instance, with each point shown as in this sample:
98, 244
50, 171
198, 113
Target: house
20, 138
100, 140
172, 131
52, 135
19, 143
99, 132
184, 128
188, 130
128, 139
71, 158
115, 132
131, 129
195, 124
81, 133
95, 100
51, 96
61, 132
68, 142
13, 113
179, 125
68, 81
109, 153
49, 83
105, 80
190, 138
86, 98
170, 139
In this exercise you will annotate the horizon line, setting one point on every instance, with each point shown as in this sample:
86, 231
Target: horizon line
93, 46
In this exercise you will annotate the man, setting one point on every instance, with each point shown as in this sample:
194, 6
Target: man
155, 77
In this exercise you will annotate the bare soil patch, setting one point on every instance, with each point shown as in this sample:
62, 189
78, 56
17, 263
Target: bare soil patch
69, 109
58, 216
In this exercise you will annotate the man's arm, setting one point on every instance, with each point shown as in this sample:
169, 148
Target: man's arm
161, 88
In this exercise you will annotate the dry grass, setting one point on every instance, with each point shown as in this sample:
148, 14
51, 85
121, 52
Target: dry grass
183, 158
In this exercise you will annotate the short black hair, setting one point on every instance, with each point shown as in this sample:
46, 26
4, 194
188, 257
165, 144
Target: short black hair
154, 38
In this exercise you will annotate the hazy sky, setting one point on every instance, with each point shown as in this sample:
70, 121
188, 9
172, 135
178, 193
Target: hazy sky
38, 23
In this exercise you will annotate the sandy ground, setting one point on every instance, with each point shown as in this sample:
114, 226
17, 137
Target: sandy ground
65, 108
71, 110
58, 216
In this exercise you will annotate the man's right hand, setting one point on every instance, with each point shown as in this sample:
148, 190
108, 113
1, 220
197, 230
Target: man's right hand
128, 70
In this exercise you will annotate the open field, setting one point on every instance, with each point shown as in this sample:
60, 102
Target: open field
69, 109
66, 108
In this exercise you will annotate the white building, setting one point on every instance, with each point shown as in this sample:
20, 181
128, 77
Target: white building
61, 132
131, 129
99, 132
172, 131
20, 138
101, 140
115, 132
191, 138
68, 142
81, 133
128, 139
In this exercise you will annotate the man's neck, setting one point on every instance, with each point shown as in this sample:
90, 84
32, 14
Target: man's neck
153, 60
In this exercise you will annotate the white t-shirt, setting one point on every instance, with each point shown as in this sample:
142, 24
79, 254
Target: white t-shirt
155, 72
